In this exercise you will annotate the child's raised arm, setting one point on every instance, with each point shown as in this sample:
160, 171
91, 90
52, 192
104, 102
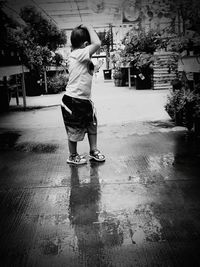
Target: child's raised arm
94, 38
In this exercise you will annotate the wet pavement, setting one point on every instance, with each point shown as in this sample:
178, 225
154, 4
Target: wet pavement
139, 208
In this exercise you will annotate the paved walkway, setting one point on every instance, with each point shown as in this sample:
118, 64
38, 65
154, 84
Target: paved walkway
139, 208
114, 104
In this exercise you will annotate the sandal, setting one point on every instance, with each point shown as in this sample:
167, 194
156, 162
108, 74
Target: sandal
76, 159
96, 155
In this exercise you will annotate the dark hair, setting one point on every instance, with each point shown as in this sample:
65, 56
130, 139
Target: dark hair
79, 35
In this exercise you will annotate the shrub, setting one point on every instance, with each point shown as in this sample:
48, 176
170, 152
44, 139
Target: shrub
183, 106
57, 84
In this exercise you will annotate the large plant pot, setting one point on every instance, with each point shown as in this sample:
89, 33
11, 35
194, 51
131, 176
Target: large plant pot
197, 126
179, 118
188, 115
107, 74
118, 82
33, 88
145, 83
4, 98
124, 76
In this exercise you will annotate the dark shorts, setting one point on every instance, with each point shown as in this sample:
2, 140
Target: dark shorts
80, 120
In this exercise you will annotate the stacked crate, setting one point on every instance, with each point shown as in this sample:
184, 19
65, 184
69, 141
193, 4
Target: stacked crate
163, 74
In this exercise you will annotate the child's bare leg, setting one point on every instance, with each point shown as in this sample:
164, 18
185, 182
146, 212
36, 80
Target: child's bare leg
92, 141
74, 158
94, 152
72, 147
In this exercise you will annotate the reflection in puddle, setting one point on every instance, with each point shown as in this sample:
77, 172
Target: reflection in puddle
149, 226
83, 215
111, 232
149, 169
96, 230
138, 236
157, 162
8, 140
36, 147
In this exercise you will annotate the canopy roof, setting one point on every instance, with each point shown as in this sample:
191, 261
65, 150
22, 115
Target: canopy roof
68, 13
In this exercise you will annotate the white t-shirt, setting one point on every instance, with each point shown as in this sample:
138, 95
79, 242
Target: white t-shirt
81, 71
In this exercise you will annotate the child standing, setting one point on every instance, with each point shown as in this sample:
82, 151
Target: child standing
77, 107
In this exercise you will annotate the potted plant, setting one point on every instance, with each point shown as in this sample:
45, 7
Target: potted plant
174, 107
143, 66
181, 106
119, 61
117, 76
140, 47
107, 43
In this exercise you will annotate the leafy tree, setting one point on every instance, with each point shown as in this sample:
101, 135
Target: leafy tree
34, 41
37, 39
42, 30
58, 59
7, 25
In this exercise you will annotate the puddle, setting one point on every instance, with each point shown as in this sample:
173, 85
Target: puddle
8, 140
163, 124
51, 247
36, 147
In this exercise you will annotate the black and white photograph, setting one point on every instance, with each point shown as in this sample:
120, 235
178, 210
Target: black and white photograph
99, 133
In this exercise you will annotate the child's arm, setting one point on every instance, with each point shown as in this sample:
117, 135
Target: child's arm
94, 38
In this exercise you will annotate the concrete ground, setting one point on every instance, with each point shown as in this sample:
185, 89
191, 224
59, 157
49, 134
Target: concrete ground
139, 208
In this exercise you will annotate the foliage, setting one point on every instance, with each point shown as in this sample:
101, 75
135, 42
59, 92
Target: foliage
177, 99
39, 57
43, 31
7, 25
140, 46
139, 60
142, 41
197, 106
184, 104
36, 40
57, 59
143, 60
57, 84
119, 58
178, 43
181, 43
117, 74
197, 101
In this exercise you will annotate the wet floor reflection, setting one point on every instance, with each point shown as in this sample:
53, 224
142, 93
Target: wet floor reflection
187, 147
181, 162
187, 156
95, 230
84, 213
98, 228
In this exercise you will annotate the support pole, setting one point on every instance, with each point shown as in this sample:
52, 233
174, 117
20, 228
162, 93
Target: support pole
45, 81
129, 77
23, 88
